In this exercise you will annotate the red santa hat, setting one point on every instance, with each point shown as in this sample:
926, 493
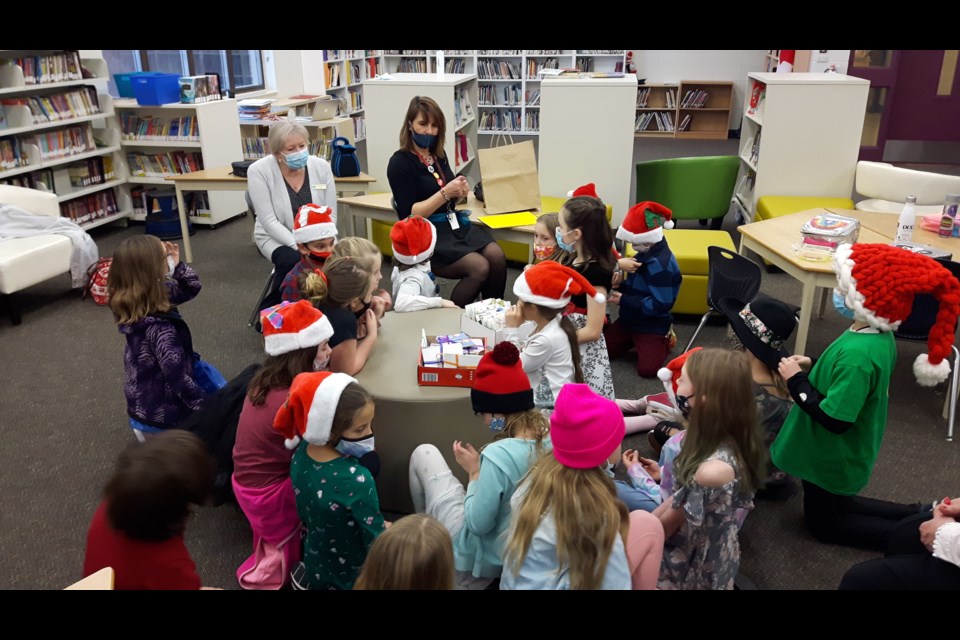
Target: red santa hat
413, 240
671, 372
314, 222
551, 284
879, 281
589, 189
644, 223
310, 407
501, 385
289, 326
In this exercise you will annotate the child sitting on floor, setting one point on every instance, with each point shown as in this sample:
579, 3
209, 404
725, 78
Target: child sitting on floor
316, 234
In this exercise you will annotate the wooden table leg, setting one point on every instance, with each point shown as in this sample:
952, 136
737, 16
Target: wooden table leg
184, 225
806, 313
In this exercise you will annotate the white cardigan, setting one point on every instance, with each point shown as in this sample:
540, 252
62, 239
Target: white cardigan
268, 193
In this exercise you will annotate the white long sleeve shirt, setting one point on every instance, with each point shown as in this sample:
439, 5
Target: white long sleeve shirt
414, 289
946, 544
547, 359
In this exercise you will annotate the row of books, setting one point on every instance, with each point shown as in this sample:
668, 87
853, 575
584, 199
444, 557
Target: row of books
498, 70
356, 101
161, 165
195, 202
374, 67
498, 52
600, 52
457, 52
543, 52
643, 97
462, 109
41, 180
199, 89
533, 98
695, 99
333, 76
662, 119
685, 123
75, 103
498, 95
754, 144
405, 52
500, 120
584, 65
135, 127
353, 73
412, 65
91, 171
455, 65
534, 67
253, 109
342, 54
62, 143
91, 207
254, 148
12, 155
359, 127
531, 121
56, 67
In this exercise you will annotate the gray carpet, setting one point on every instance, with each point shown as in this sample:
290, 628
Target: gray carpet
62, 416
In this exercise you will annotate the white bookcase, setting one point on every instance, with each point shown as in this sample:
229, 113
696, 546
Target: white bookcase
344, 71
387, 102
802, 139
34, 151
218, 143
586, 135
254, 133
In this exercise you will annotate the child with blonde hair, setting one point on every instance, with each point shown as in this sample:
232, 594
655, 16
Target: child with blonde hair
415, 553
335, 494
721, 465
295, 338
477, 516
568, 529
550, 356
147, 281
414, 286
315, 231
382, 301
342, 290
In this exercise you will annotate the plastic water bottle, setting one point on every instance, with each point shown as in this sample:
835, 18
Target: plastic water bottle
907, 219
948, 219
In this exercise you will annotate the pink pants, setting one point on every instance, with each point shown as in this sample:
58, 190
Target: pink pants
634, 415
644, 549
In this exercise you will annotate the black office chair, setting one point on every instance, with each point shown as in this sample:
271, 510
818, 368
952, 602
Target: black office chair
730, 274
916, 328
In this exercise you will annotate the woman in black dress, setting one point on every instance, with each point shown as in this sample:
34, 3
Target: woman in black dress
423, 185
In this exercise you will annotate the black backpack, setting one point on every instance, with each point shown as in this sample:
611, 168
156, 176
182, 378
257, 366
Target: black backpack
344, 161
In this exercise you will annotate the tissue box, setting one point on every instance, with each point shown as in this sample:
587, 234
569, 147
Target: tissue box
445, 364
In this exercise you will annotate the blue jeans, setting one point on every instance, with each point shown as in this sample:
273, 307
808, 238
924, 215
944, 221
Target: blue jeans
635, 499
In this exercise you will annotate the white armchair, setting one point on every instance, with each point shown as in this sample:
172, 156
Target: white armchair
886, 188
25, 262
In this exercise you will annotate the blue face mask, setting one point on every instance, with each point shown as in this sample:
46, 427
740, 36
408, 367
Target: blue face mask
424, 140
296, 160
497, 424
569, 248
356, 448
839, 305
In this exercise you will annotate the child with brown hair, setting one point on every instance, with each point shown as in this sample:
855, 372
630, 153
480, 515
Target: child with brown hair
342, 290
721, 465
415, 553
315, 231
335, 494
146, 282
295, 338
568, 529
545, 245
138, 527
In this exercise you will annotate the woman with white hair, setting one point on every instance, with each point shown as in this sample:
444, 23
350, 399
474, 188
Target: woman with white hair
278, 185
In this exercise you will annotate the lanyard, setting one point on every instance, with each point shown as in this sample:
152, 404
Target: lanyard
431, 170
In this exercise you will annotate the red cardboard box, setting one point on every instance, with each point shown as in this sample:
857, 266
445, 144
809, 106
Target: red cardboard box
447, 375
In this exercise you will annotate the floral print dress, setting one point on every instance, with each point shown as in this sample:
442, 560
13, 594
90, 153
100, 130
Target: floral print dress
338, 504
704, 553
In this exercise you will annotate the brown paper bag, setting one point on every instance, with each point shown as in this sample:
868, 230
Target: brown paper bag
509, 177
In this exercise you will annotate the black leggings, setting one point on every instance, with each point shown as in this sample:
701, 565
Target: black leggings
283, 258
481, 272
852, 520
907, 565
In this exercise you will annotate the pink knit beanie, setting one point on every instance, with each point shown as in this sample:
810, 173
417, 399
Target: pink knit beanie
585, 428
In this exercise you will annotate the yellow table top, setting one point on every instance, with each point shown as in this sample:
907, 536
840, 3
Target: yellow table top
381, 201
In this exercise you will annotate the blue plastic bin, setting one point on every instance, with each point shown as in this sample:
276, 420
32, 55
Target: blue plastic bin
163, 217
124, 88
160, 88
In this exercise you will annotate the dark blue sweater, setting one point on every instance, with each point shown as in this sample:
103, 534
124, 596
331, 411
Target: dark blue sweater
649, 292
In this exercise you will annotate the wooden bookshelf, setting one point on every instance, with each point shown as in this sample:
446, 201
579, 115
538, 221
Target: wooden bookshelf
709, 117
28, 134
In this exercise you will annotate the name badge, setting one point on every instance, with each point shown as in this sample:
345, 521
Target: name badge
320, 187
